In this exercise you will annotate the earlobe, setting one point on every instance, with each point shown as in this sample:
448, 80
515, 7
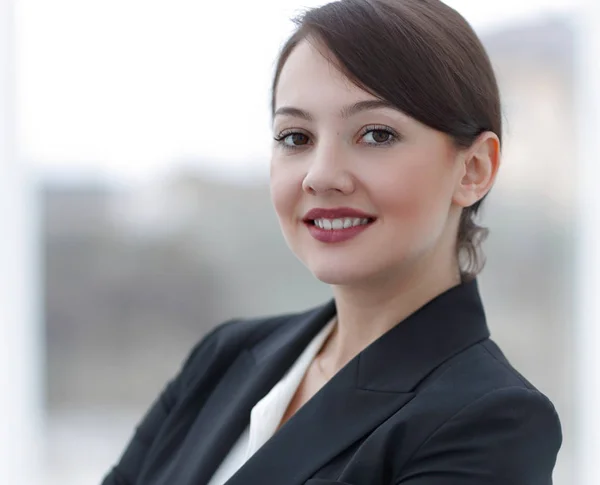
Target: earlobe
466, 194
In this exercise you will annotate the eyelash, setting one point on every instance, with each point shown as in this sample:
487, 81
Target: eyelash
394, 137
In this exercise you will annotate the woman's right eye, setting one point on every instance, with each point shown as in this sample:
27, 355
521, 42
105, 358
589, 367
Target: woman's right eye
293, 140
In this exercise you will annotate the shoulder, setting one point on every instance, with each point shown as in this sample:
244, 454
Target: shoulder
508, 435
480, 375
247, 332
473, 373
477, 406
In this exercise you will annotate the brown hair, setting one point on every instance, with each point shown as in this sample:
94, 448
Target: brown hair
424, 58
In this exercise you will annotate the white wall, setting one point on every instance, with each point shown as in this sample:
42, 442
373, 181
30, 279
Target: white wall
21, 432
587, 289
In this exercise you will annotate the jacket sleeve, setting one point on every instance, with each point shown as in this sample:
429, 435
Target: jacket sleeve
510, 436
128, 468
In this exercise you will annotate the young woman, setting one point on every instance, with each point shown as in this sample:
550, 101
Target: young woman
387, 129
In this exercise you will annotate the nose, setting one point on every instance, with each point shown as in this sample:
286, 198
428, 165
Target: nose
328, 172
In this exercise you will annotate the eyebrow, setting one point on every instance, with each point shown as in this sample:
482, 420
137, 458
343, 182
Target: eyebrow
345, 112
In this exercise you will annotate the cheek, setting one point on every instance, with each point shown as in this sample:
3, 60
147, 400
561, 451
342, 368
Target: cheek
418, 195
286, 187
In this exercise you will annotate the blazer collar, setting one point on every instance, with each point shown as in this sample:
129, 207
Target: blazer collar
290, 339
407, 353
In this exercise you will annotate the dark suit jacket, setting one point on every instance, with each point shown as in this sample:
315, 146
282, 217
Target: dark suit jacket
431, 402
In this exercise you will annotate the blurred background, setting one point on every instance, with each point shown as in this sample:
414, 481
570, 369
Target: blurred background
140, 163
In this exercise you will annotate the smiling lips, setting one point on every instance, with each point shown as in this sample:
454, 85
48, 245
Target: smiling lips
336, 225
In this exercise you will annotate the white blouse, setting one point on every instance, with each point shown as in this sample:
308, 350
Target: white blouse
268, 412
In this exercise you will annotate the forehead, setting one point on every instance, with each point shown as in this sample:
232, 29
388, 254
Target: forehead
309, 79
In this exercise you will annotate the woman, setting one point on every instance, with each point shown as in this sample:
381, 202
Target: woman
387, 127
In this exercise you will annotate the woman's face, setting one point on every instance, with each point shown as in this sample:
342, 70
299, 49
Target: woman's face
361, 190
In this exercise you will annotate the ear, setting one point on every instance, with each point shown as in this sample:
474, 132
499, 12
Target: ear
478, 169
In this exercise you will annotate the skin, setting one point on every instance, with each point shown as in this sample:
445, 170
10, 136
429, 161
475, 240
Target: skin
412, 178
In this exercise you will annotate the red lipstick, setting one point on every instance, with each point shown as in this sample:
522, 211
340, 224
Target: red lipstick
338, 224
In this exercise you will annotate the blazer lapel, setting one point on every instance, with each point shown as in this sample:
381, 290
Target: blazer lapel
339, 414
369, 389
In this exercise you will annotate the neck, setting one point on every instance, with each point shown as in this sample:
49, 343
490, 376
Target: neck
365, 312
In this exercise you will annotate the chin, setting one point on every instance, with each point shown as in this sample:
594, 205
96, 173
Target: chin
341, 274
338, 279
355, 269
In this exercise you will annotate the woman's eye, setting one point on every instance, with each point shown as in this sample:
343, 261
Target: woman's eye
293, 140
297, 139
378, 137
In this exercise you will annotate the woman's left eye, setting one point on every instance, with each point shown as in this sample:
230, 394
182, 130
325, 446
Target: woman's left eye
379, 136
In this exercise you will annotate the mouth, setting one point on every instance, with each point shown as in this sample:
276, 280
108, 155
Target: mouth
340, 223
337, 225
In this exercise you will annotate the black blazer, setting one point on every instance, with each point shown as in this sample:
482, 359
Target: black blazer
431, 402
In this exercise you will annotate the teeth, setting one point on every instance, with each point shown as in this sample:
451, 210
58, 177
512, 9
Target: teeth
337, 224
